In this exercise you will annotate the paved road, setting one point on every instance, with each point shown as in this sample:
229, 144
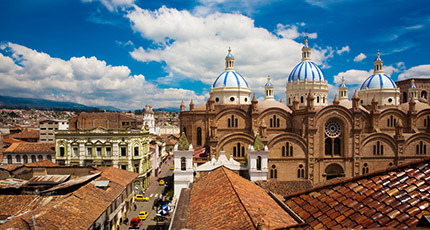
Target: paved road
154, 192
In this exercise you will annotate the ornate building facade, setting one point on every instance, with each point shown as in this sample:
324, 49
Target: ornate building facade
309, 138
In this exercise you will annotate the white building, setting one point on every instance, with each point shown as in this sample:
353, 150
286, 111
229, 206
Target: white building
149, 120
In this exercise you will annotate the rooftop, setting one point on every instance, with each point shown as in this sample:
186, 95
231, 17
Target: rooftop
396, 197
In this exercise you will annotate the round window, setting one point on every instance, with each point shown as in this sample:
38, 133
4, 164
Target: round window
231, 98
273, 166
216, 99
390, 99
246, 99
332, 129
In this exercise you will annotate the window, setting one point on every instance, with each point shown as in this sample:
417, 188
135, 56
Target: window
216, 99
232, 122
123, 150
390, 100
323, 99
231, 99
49, 157
287, 150
89, 151
136, 151
108, 151
199, 136
301, 99
183, 164
332, 142
427, 122
99, 151
33, 158
318, 99
273, 172
75, 151
239, 150
421, 148
391, 121
246, 99
274, 122
9, 159
18, 158
62, 151
365, 168
123, 167
258, 163
378, 149
300, 172
25, 159
40, 158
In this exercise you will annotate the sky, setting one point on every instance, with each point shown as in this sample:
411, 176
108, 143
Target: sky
129, 53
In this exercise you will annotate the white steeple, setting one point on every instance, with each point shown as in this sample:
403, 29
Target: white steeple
306, 50
268, 89
229, 61
343, 91
413, 91
377, 64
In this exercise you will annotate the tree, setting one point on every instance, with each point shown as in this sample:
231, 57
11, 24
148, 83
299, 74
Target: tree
183, 143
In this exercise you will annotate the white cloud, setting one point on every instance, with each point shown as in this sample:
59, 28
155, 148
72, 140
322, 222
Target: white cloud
28, 73
421, 71
112, 5
195, 46
343, 50
360, 57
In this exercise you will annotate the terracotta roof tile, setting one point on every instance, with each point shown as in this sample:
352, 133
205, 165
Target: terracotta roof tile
241, 203
284, 188
42, 163
27, 147
26, 134
392, 198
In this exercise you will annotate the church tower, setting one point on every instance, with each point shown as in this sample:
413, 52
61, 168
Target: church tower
268, 90
343, 91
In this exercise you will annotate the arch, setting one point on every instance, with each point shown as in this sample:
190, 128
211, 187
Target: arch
288, 137
9, 159
18, 158
183, 163
49, 157
39, 158
339, 110
259, 163
424, 94
392, 111
234, 137
387, 139
33, 158
25, 159
280, 113
334, 170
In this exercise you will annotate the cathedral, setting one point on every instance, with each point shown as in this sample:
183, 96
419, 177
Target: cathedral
308, 137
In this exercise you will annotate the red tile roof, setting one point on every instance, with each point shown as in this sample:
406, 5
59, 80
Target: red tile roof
284, 188
26, 134
42, 163
225, 200
75, 210
396, 197
27, 147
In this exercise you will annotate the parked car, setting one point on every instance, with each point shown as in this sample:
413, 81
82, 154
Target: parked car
140, 197
142, 215
135, 223
172, 167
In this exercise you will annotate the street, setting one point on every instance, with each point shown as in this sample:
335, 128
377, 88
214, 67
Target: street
154, 192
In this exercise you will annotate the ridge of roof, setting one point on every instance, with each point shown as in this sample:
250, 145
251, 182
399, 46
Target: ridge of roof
367, 175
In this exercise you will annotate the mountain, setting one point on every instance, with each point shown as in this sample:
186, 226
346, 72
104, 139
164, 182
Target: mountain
34, 103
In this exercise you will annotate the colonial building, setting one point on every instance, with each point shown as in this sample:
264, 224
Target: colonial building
106, 139
309, 138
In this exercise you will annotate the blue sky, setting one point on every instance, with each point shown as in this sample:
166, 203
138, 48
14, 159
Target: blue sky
128, 53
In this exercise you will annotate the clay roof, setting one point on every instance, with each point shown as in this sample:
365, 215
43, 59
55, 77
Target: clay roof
36, 147
418, 106
11, 140
269, 104
26, 134
80, 208
397, 197
18, 201
240, 203
284, 188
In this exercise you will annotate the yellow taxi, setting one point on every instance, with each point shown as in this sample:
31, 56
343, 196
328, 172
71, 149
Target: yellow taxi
140, 197
142, 215
161, 182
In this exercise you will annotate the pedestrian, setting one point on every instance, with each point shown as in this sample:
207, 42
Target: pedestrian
135, 207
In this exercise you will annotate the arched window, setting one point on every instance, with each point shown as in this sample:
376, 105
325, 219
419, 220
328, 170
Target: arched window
40, 158
301, 99
365, 168
273, 172
283, 151
234, 151
391, 121
49, 157
199, 136
287, 150
136, 150
424, 94
183, 164
9, 159
427, 122
300, 172
421, 148
62, 152
25, 159
378, 148
318, 99
332, 142
232, 122
258, 163
333, 171
33, 158
18, 158
184, 130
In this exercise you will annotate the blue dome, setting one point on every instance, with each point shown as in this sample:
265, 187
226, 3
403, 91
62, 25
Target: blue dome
229, 55
230, 79
268, 84
378, 81
413, 86
306, 70
342, 85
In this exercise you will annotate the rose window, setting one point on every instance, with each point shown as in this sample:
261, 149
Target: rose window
332, 129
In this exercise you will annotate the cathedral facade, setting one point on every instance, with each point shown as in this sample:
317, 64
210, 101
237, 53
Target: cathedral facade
308, 137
